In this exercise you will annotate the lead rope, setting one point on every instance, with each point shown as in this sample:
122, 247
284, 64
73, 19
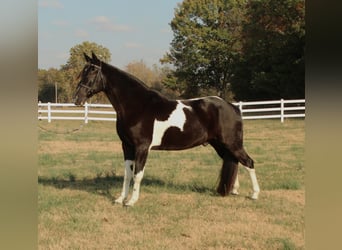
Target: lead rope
62, 133
99, 74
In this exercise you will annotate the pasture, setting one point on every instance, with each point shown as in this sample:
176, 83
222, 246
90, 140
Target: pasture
80, 174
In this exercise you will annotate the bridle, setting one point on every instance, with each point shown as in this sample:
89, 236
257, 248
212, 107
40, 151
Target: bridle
91, 91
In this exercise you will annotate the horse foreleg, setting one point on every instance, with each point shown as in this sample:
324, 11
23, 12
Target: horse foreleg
141, 157
127, 181
136, 188
256, 188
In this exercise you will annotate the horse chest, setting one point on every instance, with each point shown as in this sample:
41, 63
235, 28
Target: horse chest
175, 121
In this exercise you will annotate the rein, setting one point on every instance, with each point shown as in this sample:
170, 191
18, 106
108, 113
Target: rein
62, 133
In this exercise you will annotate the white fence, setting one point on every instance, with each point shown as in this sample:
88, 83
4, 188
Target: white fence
279, 109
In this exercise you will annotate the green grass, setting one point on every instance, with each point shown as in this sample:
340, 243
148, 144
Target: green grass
80, 174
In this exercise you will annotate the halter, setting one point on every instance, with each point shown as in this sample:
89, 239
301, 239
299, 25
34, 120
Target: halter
90, 92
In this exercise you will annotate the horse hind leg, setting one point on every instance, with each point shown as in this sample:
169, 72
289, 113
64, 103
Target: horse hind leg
256, 188
236, 185
228, 173
248, 162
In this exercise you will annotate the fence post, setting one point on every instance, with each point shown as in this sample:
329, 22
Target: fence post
49, 112
240, 106
86, 112
282, 110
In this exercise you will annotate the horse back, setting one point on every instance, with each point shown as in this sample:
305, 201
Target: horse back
212, 110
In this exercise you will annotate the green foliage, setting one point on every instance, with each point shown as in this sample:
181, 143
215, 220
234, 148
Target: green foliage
205, 45
48, 81
254, 49
272, 64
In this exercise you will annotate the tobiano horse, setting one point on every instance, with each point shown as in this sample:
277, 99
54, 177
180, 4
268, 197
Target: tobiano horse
146, 121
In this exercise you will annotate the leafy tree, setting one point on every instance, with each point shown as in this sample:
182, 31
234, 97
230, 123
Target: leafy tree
272, 63
206, 44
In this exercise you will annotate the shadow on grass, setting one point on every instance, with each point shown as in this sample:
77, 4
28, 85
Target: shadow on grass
102, 185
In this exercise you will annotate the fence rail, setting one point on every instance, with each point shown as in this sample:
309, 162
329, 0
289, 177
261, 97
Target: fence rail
279, 109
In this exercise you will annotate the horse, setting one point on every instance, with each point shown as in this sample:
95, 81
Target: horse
147, 120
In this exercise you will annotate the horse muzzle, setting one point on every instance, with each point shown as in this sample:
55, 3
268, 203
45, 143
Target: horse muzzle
78, 102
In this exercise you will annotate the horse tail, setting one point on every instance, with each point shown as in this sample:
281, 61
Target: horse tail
227, 175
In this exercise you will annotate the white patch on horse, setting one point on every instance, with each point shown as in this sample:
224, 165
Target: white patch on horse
176, 119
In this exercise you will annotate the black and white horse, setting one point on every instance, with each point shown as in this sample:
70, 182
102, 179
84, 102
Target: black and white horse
148, 121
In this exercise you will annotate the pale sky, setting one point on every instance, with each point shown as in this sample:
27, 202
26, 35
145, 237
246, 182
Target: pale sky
132, 30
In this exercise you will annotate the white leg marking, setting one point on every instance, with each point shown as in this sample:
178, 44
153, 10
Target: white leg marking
256, 188
176, 119
136, 188
127, 181
236, 186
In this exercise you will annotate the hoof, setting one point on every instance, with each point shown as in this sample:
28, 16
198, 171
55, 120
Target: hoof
254, 196
234, 192
128, 204
120, 201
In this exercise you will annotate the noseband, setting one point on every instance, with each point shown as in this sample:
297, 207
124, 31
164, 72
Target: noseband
91, 91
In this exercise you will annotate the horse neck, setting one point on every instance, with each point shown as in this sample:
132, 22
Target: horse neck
124, 91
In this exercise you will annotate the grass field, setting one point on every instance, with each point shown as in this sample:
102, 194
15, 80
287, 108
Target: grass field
81, 173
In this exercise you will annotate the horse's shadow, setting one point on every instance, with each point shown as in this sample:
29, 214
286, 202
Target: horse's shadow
105, 184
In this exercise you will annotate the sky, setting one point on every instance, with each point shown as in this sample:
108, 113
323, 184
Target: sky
132, 30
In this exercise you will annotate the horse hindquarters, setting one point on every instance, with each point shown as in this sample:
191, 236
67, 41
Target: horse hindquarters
231, 141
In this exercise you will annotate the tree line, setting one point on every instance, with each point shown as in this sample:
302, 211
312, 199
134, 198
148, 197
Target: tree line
62, 82
237, 49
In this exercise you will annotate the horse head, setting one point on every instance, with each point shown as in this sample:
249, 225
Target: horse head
91, 80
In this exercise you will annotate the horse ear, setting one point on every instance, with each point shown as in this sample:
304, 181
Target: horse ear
86, 57
95, 59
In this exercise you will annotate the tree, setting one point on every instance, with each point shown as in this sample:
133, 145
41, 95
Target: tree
48, 81
76, 62
140, 70
65, 78
272, 63
206, 44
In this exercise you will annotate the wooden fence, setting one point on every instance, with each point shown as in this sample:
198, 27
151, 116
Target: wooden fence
279, 109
